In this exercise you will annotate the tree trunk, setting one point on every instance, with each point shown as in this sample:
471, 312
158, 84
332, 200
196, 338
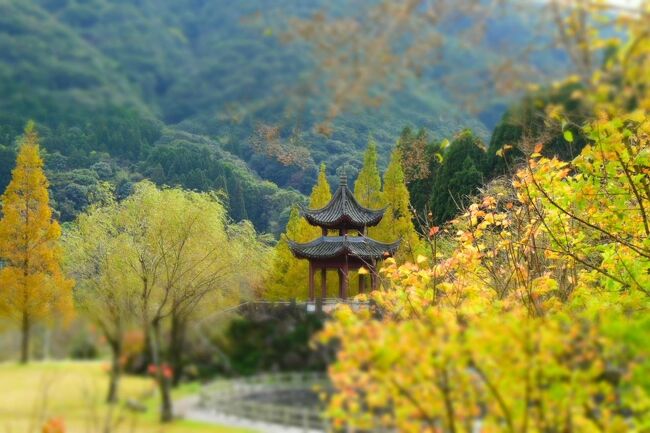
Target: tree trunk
166, 413
176, 348
116, 371
147, 354
164, 385
25, 329
47, 340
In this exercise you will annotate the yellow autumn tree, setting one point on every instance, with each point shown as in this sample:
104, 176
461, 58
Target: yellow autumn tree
321, 194
32, 285
367, 188
397, 222
288, 277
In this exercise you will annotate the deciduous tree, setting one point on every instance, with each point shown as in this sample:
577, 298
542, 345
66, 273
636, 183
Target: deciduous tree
32, 285
106, 289
533, 322
171, 257
181, 251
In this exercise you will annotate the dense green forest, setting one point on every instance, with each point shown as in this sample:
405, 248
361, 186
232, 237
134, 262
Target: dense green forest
126, 90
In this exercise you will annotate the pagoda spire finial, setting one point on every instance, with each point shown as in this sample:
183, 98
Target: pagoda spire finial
343, 180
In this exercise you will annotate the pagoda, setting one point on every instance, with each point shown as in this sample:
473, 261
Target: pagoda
351, 249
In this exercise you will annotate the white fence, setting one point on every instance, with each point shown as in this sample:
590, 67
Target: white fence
232, 397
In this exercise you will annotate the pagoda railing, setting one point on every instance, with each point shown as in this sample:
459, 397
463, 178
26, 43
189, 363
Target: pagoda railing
318, 305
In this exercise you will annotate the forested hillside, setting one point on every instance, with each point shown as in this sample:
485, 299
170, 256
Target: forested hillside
177, 91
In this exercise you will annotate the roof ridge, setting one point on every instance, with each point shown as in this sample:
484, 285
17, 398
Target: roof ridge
343, 211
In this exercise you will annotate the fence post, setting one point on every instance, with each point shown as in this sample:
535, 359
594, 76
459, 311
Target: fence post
286, 416
227, 397
305, 421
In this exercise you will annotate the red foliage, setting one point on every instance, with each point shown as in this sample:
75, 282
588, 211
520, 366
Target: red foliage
54, 425
167, 371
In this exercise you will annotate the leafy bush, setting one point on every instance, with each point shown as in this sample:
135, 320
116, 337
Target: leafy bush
274, 338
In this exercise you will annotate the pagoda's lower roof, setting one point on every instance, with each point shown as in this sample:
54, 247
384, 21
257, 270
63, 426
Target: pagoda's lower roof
327, 247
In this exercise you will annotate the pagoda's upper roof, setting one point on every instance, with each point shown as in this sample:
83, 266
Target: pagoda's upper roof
327, 247
343, 211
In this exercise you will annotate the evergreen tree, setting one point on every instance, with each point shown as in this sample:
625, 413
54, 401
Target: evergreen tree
367, 188
240, 202
32, 285
237, 204
459, 176
397, 222
525, 124
421, 162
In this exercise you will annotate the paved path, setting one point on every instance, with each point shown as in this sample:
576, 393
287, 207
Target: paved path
188, 408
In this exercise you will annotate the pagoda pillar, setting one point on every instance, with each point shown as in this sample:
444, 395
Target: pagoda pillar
373, 277
311, 281
362, 283
345, 280
323, 283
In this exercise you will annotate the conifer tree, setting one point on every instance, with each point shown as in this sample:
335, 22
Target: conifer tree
32, 285
397, 222
236, 200
321, 194
288, 277
367, 188
459, 177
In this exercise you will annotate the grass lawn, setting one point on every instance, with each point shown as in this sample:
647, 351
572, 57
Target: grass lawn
75, 392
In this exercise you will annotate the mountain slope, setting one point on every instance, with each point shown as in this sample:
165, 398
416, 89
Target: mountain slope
173, 90
49, 71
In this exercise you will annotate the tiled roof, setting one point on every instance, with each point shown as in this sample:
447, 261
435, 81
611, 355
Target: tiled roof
343, 211
327, 247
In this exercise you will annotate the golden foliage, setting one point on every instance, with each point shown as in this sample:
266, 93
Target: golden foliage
535, 322
32, 285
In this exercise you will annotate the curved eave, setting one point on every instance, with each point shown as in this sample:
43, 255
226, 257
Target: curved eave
343, 221
339, 246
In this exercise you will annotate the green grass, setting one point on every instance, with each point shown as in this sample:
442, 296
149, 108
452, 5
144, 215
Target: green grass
75, 392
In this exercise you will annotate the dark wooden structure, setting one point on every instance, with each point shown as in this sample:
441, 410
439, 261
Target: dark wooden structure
350, 249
